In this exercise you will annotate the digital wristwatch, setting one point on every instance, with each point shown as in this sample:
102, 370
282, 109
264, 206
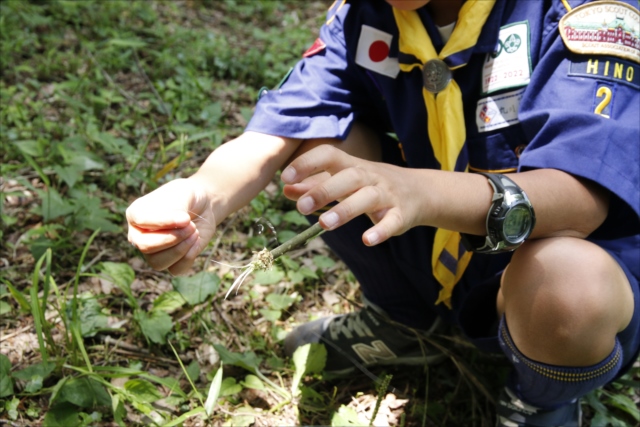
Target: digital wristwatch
510, 219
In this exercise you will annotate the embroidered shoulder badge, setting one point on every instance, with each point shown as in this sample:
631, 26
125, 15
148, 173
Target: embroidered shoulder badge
603, 28
317, 46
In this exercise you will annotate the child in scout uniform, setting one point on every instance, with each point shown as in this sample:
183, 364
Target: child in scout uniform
477, 162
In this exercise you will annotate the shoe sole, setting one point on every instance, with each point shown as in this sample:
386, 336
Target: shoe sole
401, 361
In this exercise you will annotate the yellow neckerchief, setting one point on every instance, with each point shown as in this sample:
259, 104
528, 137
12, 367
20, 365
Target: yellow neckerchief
445, 119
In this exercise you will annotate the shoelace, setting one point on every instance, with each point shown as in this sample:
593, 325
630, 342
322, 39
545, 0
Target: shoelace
348, 325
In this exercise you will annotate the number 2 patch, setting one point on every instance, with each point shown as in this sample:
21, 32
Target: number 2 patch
603, 100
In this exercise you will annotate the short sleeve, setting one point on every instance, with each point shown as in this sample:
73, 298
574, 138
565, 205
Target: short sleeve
320, 97
581, 114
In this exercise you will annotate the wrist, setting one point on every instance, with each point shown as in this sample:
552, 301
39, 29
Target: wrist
205, 199
509, 220
456, 201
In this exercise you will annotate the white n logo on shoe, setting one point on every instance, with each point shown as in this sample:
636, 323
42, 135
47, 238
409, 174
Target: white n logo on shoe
377, 351
354, 324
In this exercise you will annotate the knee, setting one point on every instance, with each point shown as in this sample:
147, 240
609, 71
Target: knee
564, 293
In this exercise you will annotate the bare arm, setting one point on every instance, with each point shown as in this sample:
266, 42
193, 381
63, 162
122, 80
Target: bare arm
174, 223
399, 198
237, 171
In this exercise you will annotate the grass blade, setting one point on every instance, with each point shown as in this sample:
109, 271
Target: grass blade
186, 374
75, 330
36, 312
214, 392
18, 296
184, 417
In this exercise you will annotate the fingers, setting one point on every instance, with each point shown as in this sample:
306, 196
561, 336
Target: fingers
295, 191
178, 258
388, 221
323, 158
153, 241
390, 224
361, 186
150, 214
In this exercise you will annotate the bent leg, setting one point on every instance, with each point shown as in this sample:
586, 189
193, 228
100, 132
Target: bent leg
564, 302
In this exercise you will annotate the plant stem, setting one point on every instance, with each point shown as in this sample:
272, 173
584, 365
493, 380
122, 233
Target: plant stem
308, 234
381, 393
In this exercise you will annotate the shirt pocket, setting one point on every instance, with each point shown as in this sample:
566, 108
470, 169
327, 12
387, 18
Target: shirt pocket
496, 152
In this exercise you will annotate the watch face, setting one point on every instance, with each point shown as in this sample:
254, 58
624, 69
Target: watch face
517, 224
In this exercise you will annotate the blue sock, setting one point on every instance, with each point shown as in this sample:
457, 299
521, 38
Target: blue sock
549, 386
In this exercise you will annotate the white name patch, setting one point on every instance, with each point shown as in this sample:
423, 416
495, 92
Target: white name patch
495, 112
510, 65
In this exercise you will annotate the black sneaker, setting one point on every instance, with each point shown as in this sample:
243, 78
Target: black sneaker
366, 337
513, 412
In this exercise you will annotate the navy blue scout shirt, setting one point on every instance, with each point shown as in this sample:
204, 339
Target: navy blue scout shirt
529, 101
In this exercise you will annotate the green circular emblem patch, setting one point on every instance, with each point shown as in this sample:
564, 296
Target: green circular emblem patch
512, 43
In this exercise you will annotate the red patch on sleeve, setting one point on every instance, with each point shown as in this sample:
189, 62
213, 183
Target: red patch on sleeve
316, 47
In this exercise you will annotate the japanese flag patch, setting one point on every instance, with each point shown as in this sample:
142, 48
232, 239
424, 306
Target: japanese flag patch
603, 28
373, 52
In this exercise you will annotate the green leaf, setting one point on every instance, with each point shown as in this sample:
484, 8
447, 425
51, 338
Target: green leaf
84, 392
91, 317
625, 404
18, 296
594, 401
86, 161
193, 371
69, 174
242, 421
345, 417
143, 390
127, 43
6, 382
307, 359
211, 114
62, 415
289, 263
11, 406
298, 276
229, 387
214, 392
286, 235
155, 325
268, 277
197, 288
270, 315
89, 215
169, 302
34, 375
323, 262
119, 411
251, 381
280, 301
247, 360
29, 147
182, 418
5, 308
295, 217
53, 205
112, 144
121, 274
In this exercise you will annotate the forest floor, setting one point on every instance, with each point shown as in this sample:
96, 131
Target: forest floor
101, 102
